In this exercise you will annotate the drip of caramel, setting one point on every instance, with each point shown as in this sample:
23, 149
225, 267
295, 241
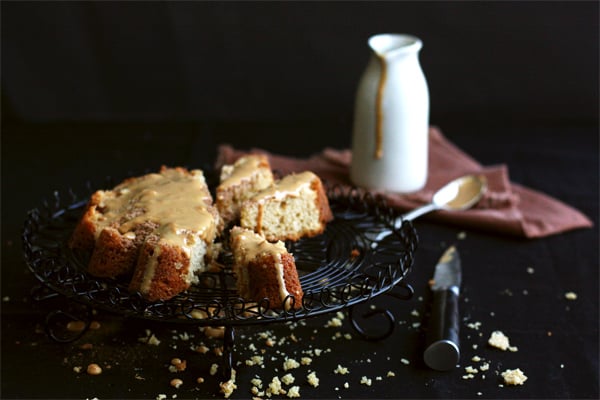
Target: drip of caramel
379, 109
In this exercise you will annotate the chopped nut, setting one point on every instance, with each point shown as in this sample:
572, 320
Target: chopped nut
94, 325
94, 369
179, 364
214, 332
75, 326
176, 383
202, 349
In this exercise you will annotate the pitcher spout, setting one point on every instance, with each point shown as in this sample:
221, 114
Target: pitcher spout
387, 45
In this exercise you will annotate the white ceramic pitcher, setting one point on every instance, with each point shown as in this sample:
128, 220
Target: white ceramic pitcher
391, 117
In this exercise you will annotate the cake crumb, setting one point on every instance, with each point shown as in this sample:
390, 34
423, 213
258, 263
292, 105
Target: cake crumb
334, 322
312, 379
514, 377
365, 381
500, 340
469, 369
474, 325
150, 339
228, 386
290, 363
390, 374
294, 392
275, 387
404, 361
571, 296
340, 370
288, 379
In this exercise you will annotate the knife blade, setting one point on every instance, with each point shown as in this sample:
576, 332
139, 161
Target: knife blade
442, 352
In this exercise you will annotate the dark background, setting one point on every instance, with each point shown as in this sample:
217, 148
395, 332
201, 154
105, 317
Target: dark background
485, 62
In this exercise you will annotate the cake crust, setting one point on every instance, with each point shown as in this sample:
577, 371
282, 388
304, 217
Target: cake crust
169, 212
264, 270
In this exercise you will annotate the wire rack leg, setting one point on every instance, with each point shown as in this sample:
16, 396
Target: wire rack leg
228, 342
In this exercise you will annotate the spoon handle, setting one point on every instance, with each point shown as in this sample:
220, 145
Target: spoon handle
417, 212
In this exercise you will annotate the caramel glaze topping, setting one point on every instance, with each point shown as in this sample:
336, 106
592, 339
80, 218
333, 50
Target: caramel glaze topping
290, 185
241, 170
175, 200
379, 109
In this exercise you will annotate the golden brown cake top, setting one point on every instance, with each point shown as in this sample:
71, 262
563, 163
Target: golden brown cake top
242, 169
175, 199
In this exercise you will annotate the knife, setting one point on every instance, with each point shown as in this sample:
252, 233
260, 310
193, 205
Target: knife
443, 352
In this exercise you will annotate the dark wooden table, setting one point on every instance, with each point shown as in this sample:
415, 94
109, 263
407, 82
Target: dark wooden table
514, 285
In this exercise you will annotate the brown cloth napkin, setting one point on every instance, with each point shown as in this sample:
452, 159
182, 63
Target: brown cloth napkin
506, 207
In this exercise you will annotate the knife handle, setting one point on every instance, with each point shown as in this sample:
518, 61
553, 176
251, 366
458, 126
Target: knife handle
443, 352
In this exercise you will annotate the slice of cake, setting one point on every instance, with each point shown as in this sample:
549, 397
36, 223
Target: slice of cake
158, 227
239, 181
294, 207
264, 270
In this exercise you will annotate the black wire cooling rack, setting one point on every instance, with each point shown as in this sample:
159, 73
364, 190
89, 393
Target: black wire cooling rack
341, 268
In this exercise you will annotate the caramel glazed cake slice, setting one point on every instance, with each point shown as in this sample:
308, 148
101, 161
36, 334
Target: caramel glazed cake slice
294, 207
240, 181
264, 270
158, 227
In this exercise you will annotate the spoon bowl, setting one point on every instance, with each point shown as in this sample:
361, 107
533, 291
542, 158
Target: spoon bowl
459, 194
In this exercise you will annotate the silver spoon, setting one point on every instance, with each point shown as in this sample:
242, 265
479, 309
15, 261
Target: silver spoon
459, 194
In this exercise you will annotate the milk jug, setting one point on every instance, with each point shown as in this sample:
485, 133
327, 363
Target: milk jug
391, 117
